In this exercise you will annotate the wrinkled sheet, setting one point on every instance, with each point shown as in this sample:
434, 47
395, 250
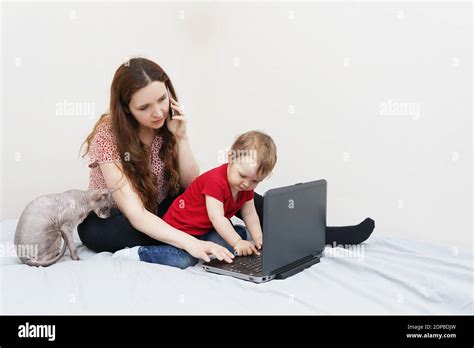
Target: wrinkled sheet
384, 275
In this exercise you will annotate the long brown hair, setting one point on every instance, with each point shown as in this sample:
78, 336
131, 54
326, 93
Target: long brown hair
129, 78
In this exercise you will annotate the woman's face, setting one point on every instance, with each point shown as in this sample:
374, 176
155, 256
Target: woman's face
150, 105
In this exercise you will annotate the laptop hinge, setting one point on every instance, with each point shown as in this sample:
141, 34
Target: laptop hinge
296, 267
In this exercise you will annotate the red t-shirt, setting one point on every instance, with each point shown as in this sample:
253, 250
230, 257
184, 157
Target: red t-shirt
188, 211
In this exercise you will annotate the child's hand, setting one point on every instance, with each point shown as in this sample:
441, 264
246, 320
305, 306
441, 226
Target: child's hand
258, 242
245, 248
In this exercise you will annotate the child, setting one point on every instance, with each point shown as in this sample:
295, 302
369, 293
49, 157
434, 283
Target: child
206, 206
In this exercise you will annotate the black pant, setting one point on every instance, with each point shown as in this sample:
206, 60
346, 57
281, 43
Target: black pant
116, 232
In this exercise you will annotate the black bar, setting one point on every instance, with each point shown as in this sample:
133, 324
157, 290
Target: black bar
209, 330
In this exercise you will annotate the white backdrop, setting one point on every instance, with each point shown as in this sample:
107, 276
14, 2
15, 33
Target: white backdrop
374, 97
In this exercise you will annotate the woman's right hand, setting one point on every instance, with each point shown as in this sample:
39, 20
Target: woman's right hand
202, 249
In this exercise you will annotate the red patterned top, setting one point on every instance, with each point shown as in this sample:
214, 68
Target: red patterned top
103, 149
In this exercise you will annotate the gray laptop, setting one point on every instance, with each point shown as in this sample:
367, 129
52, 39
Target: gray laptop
294, 230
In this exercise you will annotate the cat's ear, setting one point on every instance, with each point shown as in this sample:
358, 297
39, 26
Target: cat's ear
97, 195
94, 194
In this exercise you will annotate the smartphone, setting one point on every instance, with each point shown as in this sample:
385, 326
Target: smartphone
171, 110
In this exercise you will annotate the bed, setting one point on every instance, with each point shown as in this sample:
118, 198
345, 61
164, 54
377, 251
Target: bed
384, 275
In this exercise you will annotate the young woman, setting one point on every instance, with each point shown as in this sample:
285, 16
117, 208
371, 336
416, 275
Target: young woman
144, 153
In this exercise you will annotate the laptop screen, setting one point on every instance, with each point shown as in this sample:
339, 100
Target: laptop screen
294, 225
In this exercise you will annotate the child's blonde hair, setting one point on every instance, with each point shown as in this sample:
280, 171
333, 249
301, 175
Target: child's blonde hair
257, 147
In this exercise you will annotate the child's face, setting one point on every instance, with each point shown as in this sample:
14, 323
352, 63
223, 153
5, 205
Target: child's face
242, 176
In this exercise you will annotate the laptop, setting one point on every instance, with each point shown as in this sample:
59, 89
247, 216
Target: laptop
294, 231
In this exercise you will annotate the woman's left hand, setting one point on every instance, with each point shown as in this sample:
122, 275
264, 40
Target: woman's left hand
177, 124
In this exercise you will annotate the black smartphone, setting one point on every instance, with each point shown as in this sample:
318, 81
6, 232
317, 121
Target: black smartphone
171, 110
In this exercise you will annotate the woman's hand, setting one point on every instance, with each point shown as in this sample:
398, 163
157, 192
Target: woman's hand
244, 248
177, 124
202, 249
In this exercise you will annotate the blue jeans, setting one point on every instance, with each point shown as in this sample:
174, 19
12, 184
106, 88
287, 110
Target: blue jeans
169, 255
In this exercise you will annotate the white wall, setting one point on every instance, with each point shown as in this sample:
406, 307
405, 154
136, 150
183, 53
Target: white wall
322, 78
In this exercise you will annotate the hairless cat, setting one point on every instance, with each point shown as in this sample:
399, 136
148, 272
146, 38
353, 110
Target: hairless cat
49, 218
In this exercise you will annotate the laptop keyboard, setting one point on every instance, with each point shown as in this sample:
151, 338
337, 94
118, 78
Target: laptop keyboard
251, 265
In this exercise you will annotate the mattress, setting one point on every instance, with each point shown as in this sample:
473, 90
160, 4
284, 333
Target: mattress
384, 275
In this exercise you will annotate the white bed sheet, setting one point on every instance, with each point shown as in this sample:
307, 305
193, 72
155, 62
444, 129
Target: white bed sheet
386, 275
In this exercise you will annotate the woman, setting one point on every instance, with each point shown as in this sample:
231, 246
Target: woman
146, 155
